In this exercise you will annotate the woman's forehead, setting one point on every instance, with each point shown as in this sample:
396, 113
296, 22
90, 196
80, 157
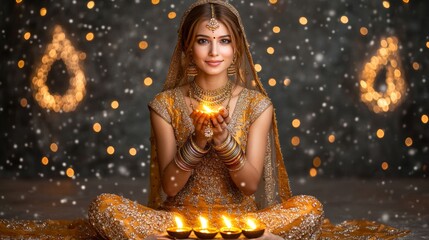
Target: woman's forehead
202, 29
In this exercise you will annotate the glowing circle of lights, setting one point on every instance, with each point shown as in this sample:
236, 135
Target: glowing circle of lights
60, 48
387, 57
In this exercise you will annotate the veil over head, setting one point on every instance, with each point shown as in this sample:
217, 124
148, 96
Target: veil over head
274, 184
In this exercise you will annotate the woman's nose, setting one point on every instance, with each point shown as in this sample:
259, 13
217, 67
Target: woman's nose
213, 49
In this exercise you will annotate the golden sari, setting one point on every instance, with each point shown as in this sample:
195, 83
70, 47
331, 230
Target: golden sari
210, 191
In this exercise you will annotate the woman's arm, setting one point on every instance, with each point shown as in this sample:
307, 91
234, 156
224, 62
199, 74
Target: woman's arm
173, 179
247, 178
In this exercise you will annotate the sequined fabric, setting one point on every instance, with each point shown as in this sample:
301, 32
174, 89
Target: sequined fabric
210, 191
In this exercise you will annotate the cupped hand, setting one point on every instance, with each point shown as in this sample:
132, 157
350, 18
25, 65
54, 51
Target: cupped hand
220, 121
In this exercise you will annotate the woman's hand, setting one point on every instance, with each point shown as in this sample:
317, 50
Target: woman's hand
220, 121
200, 121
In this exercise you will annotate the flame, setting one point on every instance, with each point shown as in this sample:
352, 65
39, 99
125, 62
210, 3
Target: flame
227, 222
179, 222
207, 109
251, 224
204, 222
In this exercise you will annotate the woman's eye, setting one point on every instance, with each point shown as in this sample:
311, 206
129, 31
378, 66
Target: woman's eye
225, 41
202, 41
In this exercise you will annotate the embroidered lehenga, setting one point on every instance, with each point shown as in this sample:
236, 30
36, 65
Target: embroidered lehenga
210, 191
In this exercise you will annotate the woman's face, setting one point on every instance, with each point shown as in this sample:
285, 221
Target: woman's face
212, 51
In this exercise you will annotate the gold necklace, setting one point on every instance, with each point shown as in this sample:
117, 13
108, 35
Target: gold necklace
210, 97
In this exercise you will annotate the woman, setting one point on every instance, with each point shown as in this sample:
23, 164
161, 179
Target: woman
209, 164
215, 148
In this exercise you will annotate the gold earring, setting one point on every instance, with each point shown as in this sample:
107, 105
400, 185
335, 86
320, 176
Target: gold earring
232, 68
191, 70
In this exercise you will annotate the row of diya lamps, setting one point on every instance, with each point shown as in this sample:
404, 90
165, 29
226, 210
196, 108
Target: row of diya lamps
252, 230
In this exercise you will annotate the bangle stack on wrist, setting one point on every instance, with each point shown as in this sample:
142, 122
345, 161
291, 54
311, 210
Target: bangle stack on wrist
231, 154
189, 155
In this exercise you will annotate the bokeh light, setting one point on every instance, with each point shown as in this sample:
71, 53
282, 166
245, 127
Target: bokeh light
303, 20
296, 123
114, 104
96, 127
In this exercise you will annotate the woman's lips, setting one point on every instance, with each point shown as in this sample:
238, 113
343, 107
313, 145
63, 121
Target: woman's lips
213, 63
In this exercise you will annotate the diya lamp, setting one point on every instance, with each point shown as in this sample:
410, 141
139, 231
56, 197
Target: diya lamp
205, 232
179, 232
253, 230
205, 108
229, 232
208, 131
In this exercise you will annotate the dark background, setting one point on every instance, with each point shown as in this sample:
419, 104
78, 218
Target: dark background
322, 59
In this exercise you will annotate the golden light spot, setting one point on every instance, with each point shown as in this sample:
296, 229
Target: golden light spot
380, 133
296, 123
90, 4
96, 127
27, 35
425, 118
89, 36
313, 172
295, 141
70, 172
384, 166
286, 82
132, 151
386, 4
344, 19
53, 147
303, 20
276, 29
45, 161
406, 1
331, 138
155, 2
408, 142
114, 104
317, 162
363, 31
43, 12
258, 67
21, 63
416, 66
59, 48
18, 1
273, 1
172, 15
143, 45
272, 82
23, 102
270, 50
110, 150
147, 81
427, 44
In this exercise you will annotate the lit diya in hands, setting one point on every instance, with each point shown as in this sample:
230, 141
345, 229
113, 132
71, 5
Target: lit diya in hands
205, 108
179, 231
253, 230
229, 232
205, 232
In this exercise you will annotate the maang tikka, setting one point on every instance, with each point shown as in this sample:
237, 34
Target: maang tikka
213, 23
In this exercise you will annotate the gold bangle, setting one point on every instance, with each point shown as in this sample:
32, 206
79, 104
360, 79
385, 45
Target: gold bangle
197, 148
224, 144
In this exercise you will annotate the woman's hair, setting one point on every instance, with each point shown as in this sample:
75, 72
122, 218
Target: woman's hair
223, 15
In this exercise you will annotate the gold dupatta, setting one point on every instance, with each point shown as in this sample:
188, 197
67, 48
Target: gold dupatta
274, 184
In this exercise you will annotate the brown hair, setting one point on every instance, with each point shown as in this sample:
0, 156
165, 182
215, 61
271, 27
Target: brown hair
222, 14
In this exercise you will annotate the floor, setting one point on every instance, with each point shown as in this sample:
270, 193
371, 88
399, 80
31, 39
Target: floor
402, 203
